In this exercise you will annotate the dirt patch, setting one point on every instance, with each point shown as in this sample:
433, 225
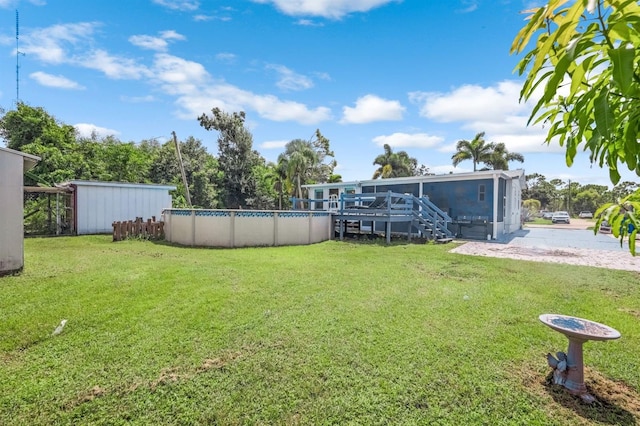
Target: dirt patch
616, 403
633, 312
167, 376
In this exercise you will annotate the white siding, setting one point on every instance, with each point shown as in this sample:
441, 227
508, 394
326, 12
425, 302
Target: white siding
12, 167
100, 204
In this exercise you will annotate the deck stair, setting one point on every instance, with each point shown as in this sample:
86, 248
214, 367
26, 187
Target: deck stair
430, 219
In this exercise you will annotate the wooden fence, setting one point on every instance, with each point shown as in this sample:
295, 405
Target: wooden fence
138, 229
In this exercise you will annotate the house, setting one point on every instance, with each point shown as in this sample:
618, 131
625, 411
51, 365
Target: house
13, 164
95, 205
481, 205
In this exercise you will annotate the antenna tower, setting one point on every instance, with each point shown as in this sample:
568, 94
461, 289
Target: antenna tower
18, 53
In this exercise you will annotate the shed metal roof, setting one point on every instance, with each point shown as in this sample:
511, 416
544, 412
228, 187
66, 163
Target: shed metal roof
29, 160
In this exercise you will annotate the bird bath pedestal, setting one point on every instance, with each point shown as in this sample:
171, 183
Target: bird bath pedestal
569, 367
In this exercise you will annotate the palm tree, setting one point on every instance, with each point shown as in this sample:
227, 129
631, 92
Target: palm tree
477, 150
394, 164
500, 157
298, 159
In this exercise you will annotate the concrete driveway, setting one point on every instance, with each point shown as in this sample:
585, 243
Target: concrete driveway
570, 244
557, 237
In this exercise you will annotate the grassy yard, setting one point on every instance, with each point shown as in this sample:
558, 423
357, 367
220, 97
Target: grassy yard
334, 333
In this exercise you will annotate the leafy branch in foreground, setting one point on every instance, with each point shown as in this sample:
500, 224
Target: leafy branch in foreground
584, 72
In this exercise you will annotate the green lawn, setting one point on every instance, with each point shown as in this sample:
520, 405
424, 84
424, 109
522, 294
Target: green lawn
333, 333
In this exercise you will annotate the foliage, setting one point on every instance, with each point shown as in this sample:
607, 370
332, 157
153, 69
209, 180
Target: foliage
166, 335
394, 164
34, 131
500, 157
299, 160
477, 150
236, 157
623, 217
587, 59
495, 155
322, 171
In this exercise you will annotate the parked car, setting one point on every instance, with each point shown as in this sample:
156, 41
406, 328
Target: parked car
560, 217
547, 215
605, 228
585, 215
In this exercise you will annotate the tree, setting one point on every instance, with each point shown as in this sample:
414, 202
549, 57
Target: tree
531, 208
236, 157
500, 157
394, 164
321, 172
589, 50
477, 150
34, 131
539, 189
299, 160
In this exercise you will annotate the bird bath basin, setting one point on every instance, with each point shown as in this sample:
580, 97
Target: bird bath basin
569, 367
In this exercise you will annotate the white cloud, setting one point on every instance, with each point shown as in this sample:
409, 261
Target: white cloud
138, 99
408, 140
332, 9
472, 102
309, 23
58, 81
370, 108
202, 18
290, 80
113, 66
227, 58
149, 42
189, 82
159, 44
171, 35
273, 144
468, 6
14, 3
86, 130
495, 110
184, 5
197, 92
55, 44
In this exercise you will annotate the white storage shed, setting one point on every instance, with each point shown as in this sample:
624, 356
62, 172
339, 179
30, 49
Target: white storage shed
98, 204
13, 164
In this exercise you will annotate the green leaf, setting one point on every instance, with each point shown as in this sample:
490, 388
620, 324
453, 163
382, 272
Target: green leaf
632, 242
556, 78
614, 176
622, 60
603, 115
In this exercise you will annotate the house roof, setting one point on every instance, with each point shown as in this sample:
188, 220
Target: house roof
484, 174
29, 161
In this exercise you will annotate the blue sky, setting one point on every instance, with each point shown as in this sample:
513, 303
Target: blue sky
416, 74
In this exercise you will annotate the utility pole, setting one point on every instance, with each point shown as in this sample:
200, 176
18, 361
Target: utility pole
184, 176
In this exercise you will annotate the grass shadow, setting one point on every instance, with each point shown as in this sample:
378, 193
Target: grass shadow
612, 405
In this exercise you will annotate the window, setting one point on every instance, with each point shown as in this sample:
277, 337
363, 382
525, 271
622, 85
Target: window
349, 191
319, 193
481, 192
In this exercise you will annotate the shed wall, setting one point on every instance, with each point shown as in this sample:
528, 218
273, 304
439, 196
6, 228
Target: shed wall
11, 223
97, 207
